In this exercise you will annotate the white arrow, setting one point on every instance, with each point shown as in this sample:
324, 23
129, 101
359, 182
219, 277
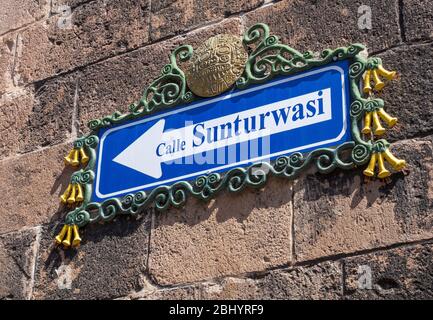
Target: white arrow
140, 155
148, 152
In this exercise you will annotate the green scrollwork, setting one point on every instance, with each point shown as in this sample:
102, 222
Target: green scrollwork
268, 58
168, 90
361, 153
207, 186
88, 145
380, 146
373, 63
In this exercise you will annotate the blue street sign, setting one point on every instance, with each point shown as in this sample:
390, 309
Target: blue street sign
288, 114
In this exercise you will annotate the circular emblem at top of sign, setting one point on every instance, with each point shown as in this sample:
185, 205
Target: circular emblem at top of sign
216, 65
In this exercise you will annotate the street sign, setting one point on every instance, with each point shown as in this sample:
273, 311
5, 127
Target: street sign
288, 114
226, 116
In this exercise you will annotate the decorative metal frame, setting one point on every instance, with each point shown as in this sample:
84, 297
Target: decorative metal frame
268, 58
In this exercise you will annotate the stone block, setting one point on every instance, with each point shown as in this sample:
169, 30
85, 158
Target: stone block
8, 45
17, 259
115, 83
15, 109
342, 213
319, 281
405, 97
174, 17
30, 187
15, 14
93, 31
318, 25
418, 19
401, 273
109, 263
233, 234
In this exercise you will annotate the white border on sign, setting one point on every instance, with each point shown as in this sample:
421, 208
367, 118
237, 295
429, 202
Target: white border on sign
224, 97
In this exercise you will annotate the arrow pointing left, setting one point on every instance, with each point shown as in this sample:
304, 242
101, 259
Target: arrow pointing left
140, 155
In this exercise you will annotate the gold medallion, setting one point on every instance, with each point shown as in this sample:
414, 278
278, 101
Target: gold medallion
216, 65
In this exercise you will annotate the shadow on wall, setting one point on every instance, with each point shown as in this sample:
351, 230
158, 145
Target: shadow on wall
237, 229
318, 200
351, 184
276, 193
122, 228
405, 197
59, 186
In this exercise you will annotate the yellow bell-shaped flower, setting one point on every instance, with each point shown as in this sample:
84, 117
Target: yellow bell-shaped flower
379, 159
65, 235
69, 157
378, 128
390, 121
369, 171
376, 116
389, 75
383, 172
75, 156
378, 84
73, 194
374, 75
67, 241
367, 79
397, 164
61, 234
77, 240
84, 157
367, 123
64, 197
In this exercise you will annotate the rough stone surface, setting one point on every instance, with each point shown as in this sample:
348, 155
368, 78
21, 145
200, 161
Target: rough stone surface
235, 6
341, 213
403, 273
313, 238
30, 187
320, 281
173, 17
17, 258
108, 265
58, 6
232, 234
231, 288
418, 19
178, 293
50, 119
18, 13
115, 83
301, 23
96, 30
406, 97
196, 38
14, 112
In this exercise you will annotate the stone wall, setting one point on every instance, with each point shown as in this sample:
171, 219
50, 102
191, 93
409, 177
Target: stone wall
315, 237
